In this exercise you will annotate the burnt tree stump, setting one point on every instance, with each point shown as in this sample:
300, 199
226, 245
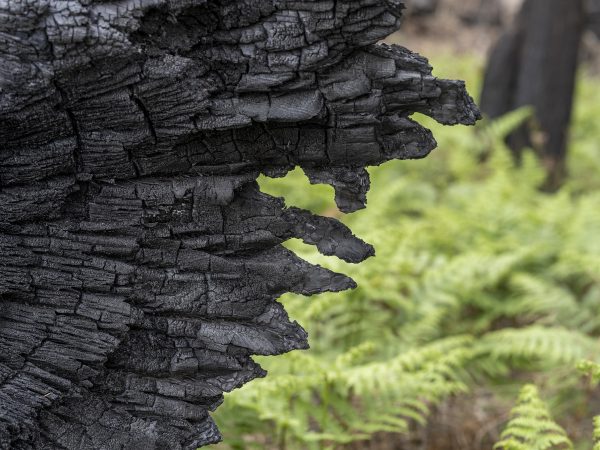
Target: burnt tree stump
139, 262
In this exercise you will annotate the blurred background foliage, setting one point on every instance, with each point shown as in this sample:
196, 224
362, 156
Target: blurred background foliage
483, 287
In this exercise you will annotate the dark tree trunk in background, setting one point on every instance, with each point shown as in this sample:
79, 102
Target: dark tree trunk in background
534, 64
593, 16
139, 262
423, 7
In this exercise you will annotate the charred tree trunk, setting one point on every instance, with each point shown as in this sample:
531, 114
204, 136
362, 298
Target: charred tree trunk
139, 262
593, 16
534, 64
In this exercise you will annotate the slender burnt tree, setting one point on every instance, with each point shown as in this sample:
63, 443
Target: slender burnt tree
534, 64
139, 262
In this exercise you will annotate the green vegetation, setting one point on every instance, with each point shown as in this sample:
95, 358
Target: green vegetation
481, 282
531, 427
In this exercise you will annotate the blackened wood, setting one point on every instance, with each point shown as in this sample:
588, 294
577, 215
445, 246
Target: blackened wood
139, 262
534, 64
593, 16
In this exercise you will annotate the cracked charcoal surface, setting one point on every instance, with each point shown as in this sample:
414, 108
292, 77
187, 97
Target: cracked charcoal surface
139, 262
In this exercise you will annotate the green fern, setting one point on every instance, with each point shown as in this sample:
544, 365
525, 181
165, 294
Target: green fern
591, 370
531, 427
535, 343
596, 433
331, 396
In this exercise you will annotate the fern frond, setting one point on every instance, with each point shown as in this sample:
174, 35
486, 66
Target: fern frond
531, 427
596, 433
537, 344
501, 127
590, 369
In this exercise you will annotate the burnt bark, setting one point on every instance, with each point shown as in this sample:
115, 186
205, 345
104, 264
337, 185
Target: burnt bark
593, 16
534, 64
139, 262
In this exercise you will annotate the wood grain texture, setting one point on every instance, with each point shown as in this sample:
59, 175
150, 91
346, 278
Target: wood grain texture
139, 262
